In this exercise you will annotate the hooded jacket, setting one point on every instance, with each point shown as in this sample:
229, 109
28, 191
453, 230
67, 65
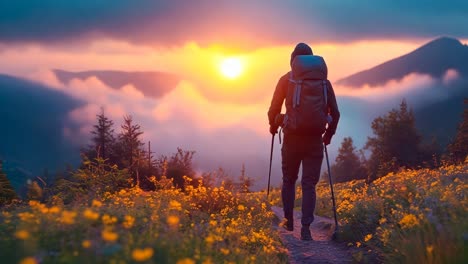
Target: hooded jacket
282, 88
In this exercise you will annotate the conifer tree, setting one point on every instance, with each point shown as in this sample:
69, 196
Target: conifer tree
347, 165
396, 142
103, 137
7, 193
130, 147
458, 149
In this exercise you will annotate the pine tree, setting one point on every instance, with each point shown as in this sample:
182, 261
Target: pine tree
130, 147
7, 193
347, 165
458, 149
103, 137
396, 142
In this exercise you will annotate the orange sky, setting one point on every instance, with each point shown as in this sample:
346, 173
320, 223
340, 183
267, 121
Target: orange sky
200, 65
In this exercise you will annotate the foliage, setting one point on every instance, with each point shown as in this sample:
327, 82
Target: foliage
413, 216
102, 138
177, 166
95, 177
34, 191
7, 193
347, 165
396, 143
130, 147
202, 225
458, 149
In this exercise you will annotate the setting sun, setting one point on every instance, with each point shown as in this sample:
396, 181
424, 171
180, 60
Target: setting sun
231, 67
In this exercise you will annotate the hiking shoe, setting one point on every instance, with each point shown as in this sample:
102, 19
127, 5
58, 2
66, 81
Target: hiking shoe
287, 224
305, 233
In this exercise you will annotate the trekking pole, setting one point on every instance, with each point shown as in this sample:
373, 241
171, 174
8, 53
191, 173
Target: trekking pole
332, 193
271, 160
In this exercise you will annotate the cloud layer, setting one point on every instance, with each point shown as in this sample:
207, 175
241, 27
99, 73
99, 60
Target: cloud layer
231, 23
231, 134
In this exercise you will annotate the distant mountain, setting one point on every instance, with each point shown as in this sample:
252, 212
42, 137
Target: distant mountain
32, 133
437, 109
151, 84
433, 58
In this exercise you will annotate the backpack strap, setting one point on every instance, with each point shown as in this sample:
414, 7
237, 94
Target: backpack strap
296, 97
325, 94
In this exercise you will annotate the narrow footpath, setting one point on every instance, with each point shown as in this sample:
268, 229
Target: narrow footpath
321, 250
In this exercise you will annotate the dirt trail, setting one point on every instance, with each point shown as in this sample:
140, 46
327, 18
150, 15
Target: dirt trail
321, 250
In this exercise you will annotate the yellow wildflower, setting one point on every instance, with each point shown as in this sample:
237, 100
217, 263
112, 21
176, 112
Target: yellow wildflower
225, 251
207, 261
430, 249
240, 207
358, 244
109, 236
96, 203
186, 261
68, 217
367, 237
6, 214
54, 210
382, 220
408, 221
90, 214
26, 216
128, 221
213, 223
142, 254
173, 220
22, 234
28, 260
33, 203
175, 205
108, 220
86, 244
209, 239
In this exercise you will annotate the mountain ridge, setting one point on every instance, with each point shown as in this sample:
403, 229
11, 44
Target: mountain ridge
433, 58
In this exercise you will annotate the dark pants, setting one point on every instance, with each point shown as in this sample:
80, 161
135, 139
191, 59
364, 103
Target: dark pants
309, 151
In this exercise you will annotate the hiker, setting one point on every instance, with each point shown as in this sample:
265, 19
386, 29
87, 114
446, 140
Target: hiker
310, 106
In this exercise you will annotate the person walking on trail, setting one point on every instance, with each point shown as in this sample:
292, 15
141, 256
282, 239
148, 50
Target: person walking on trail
311, 111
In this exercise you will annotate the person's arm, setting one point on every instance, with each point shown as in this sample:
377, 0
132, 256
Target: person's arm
332, 109
277, 101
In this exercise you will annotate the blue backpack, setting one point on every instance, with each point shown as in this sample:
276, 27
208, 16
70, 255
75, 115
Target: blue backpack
306, 99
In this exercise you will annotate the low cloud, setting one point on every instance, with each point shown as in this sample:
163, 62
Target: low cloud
223, 134
425, 86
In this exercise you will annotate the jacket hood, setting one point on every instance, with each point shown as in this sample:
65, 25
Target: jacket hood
301, 49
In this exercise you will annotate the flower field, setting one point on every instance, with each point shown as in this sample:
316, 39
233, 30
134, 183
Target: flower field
202, 225
417, 216
413, 216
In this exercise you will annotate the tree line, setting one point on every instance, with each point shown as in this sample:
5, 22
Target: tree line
114, 161
396, 143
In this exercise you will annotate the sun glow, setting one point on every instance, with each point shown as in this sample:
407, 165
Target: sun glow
231, 67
